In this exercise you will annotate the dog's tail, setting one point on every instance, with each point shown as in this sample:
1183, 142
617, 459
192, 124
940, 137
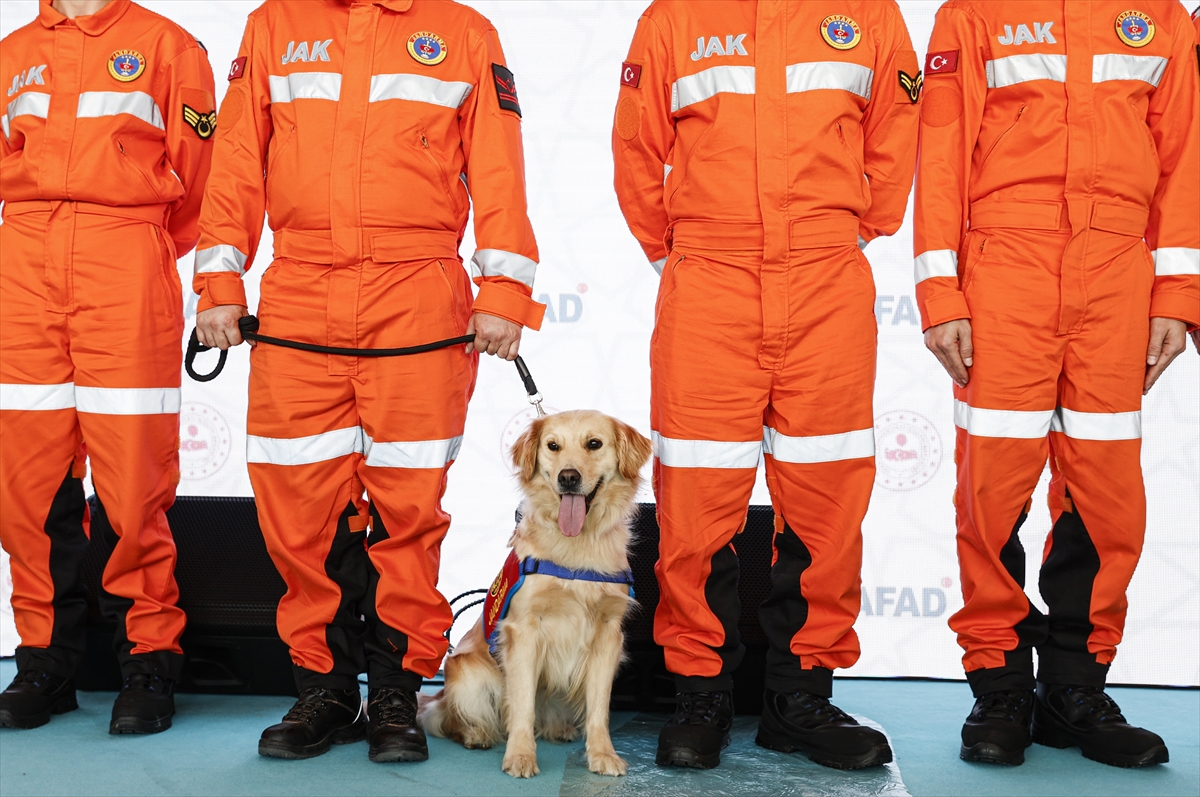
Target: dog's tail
432, 714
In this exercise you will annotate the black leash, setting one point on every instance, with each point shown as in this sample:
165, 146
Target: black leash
248, 326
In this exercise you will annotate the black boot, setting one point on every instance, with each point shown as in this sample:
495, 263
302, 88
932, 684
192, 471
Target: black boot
1087, 718
321, 717
997, 729
33, 696
145, 705
822, 731
393, 733
698, 732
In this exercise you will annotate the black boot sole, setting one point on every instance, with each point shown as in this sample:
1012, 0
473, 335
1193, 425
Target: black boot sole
1060, 739
687, 757
394, 754
63, 705
121, 726
345, 735
990, 753
877, 756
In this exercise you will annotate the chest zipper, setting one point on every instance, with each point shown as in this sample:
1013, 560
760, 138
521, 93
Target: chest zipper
136, 168
1007, 130
437, 167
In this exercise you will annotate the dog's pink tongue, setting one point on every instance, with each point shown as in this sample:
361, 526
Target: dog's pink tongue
571, 514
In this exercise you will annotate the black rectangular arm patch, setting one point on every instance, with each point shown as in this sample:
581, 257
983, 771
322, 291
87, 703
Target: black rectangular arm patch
506, 89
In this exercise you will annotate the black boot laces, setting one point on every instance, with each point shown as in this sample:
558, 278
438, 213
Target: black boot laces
819, 709
394, 707
311, 704
35, 678
1005, 705
144, 682
698, 708
1099, 706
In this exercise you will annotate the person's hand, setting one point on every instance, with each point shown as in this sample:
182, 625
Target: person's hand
1168, 339
494, 335
217, 327
951, 342
1196, 340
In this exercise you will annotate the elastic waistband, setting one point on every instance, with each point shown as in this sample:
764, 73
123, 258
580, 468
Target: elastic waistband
381, 244
815, 233
151, 214
1055, 216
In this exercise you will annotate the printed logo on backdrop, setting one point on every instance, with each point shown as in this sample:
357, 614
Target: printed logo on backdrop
920, 602
516, 425
567, 310
204, 440
908, 450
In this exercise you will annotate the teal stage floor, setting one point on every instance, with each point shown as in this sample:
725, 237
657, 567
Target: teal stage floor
212, 750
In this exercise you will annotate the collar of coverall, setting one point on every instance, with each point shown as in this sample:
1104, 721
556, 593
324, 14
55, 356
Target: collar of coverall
399, 6
92, 24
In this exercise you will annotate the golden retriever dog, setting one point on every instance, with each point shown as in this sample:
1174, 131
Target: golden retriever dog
560, 643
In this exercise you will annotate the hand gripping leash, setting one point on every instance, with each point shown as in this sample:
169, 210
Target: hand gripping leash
248, 326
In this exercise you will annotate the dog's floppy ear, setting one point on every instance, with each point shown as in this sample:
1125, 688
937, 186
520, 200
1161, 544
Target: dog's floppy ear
632, 450
525, 451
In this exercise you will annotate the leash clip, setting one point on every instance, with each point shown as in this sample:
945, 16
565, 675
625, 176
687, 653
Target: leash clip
535, 398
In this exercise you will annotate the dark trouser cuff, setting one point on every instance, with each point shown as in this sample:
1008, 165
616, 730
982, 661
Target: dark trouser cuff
308, 679
1017, 673
388, 678
701, 683
162, 663
58, 661
1070, 668
817, 681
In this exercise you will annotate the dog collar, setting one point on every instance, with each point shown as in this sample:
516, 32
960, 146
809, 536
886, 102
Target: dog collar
512, 576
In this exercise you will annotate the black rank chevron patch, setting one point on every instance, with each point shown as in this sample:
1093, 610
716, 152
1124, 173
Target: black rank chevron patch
204, 124
506, 89
911, 85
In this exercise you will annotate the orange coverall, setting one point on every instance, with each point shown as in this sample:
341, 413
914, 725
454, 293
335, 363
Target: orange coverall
106, 146
370, 120
785, 133
1055, 137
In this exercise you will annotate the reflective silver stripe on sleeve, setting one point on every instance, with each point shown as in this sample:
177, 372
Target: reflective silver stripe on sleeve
711, 82
1097, 425
1023, 68
37, 397
819, 448
839, 75
1015, 424
304, 450
1118, 66
95, 104
127, 400
412, 454
935, 263
659, 265
498, 263
419, 88
219, 259
706, 453
1176, 261
305, 86
30, 104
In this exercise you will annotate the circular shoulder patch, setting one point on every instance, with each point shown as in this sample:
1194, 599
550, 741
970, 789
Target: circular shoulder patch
941, 106
629, 118
427, 48
840, 32
1134, 28
126, 65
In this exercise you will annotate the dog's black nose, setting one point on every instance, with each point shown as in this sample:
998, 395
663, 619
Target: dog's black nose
569, 480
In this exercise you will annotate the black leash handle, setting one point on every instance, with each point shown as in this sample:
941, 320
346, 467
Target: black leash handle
248, 326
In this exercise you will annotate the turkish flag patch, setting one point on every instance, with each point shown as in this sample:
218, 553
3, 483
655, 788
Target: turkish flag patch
631, 75
237, 68
506, 89
941, 63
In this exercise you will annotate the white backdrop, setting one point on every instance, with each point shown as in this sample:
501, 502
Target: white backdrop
594, 352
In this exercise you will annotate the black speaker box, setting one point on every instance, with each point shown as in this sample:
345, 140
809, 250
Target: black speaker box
229, 589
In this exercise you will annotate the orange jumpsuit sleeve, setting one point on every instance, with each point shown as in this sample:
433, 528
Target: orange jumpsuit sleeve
506, 254
890, 132
235, 200
951, 116
1173, 234
189, 145
642, 140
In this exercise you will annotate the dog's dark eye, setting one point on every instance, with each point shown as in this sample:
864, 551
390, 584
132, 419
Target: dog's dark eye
593, 444
552, 445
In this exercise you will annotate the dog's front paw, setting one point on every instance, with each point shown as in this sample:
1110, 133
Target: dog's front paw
607, 764
561, 732
521, 765
476, 740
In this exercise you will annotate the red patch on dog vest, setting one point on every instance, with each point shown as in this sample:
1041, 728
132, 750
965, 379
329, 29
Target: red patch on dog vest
495, 606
